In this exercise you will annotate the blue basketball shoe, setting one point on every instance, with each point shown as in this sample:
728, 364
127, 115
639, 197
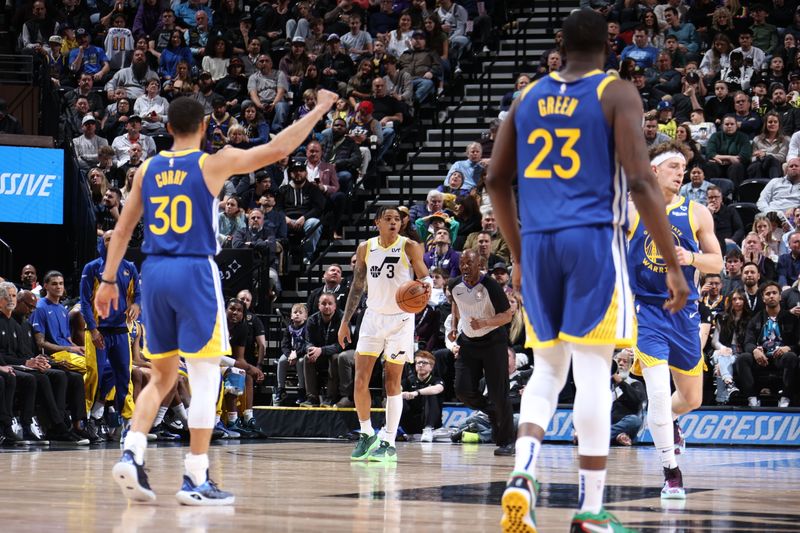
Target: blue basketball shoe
132, 479
205, 494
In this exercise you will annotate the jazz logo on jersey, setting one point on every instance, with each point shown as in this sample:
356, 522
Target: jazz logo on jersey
653, 259
389, 263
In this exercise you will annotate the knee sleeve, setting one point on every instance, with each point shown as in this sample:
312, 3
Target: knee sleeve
591, 414
204, 382
659, 404
540, 397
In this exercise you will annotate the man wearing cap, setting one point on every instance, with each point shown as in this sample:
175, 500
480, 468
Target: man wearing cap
267, 89
334, 66
666, 123
88, 58
123, 143
429, 225
37, 30
133, 78
88, 144
500, 273
205, 92
56, 61
765, 36
644, 55
295, 63
367, 133
649, 95
303, 204
424, 66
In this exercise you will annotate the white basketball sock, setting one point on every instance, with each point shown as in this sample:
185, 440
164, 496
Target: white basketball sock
196, 467
160, 416
136, 442
591, 484
527, 452
366, 427
394, 410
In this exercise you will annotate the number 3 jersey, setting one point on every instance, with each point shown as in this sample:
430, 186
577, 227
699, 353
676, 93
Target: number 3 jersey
387, 269
566, 167
180, 213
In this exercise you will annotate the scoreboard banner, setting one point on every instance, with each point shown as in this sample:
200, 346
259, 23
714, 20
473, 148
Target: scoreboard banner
750, 428
31, 185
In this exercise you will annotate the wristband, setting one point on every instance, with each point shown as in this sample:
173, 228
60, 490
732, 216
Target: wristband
690, 264
109, 282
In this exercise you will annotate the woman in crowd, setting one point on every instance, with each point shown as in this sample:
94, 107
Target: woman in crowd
400, 38
649, 20
763, 227
173, 54
256, 127
769, 149
175, 87
469, 219
728, 342
153, 108
230, 220
716, 58
217, 60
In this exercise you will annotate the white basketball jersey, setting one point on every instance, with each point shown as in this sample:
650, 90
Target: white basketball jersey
119, 47
387, 269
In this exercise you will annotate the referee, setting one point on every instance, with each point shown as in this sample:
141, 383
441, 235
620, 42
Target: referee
480, 310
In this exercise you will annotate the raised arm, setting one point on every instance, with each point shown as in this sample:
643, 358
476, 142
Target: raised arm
225, 163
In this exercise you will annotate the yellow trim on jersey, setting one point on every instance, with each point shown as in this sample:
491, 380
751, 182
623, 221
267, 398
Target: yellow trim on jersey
145, 164
698, 370
527, 89
368, 354
531, 340
394, 362
556, 76
202, 160
163, 355
673, 207
641, 359
179, 153
213, 346
366, 252
633, 226
384, 248
603, 84
604, 332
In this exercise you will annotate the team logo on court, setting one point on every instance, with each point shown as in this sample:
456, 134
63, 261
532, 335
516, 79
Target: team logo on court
389, 263
653, 259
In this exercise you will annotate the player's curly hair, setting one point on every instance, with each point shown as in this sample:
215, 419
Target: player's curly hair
671, 146
585, 31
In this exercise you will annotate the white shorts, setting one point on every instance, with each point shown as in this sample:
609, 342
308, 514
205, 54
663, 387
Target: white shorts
392, 335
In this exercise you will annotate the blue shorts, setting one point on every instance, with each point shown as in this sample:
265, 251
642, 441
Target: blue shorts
183, 309
575, 287
666, 338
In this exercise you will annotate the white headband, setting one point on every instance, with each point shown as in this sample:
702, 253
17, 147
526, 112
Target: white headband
660, 158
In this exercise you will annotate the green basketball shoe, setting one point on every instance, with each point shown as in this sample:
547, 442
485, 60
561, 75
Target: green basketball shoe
366, 443
597, 523
518, 502
385, 453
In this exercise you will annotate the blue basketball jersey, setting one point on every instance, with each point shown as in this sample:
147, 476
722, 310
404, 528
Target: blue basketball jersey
648, 272
180, 214
567, 172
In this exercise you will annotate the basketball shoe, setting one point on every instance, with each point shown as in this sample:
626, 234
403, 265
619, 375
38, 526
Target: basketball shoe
366, 443
205, 494
673, 485
385, 453
597, 523
518, 502
132, 479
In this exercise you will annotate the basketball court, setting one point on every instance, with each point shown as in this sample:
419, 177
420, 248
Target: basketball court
312, 486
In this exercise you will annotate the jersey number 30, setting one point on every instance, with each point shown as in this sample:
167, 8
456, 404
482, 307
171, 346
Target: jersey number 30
172, 214
567, 137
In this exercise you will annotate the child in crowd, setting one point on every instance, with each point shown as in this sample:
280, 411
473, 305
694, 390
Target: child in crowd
293, 349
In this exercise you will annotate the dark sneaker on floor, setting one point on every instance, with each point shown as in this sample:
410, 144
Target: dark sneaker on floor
132, 479
93, 431
366, 443
345, 403
68, 438
241, 428
506, 451
205, 494
254, 427
385, 453
673, 485
163, 433
33, 438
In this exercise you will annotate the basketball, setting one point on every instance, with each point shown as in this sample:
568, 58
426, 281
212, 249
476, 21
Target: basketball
411, 297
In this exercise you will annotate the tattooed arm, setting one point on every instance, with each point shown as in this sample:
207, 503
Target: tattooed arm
356, 290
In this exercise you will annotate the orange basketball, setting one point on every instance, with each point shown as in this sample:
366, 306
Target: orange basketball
411, 297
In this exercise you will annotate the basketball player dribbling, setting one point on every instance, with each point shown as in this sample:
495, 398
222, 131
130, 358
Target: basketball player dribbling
670, 343
383, 264
182, 303
562, 139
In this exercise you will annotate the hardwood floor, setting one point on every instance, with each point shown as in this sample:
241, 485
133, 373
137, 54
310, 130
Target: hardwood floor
311, 486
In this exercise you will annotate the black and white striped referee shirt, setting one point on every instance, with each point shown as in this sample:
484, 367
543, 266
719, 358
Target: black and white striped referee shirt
485, 300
